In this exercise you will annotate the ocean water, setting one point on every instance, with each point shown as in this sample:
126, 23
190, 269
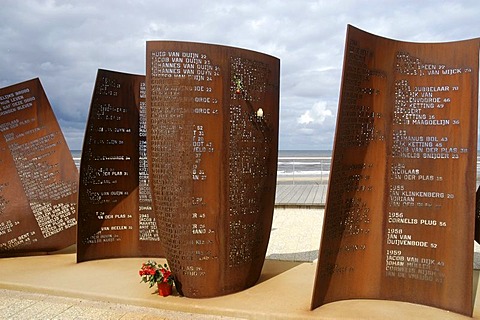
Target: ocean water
76, 155
304, 166
281, 153
304, 153
309, 166
297, 166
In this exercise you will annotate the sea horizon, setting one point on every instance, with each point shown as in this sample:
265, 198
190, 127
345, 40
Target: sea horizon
292, 164
314, 164
77, 153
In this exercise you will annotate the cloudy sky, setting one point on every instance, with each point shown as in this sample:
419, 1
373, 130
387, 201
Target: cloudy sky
65, 42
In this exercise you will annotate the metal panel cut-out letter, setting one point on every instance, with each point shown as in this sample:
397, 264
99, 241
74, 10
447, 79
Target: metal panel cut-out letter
115, 215
400, 208
38, 180
212, 125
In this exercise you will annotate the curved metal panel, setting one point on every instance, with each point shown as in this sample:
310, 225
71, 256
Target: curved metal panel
400, 208
212, 132
115, 212
38, 180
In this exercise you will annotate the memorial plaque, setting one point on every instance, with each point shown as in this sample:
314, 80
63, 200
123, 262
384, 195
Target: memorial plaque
115, 212
38, 180
400, 208
212, 145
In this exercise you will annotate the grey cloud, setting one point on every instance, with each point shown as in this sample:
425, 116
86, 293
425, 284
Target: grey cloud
64, 43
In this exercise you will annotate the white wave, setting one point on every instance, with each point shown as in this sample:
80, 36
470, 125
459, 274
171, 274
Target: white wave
304, 173
301, 163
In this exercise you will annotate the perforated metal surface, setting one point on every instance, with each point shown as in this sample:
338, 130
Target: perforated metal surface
115, 211
400, 207
38, 180
212, 132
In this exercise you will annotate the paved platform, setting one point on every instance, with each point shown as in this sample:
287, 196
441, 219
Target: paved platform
56, 287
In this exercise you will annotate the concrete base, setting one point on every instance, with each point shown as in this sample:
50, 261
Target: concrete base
283, 291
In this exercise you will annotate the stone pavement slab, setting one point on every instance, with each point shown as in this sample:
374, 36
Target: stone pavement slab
29, 305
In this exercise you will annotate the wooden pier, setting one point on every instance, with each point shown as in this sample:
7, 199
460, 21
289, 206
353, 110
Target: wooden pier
293, 195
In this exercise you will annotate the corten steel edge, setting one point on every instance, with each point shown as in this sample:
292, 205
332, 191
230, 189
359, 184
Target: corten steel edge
38, 180
115, 215
212, 125
477, 215
401, 200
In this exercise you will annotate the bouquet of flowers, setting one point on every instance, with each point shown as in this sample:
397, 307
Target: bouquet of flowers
153, 273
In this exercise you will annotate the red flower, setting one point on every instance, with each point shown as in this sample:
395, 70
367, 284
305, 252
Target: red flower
152, 273
166, 274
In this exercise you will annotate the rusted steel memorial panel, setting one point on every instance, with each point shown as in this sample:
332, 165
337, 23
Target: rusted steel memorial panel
38, 180
212, 145
115, 215
400, 207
